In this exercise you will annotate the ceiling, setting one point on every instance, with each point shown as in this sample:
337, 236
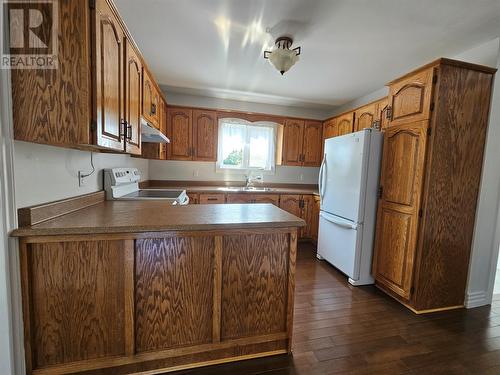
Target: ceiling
349, 47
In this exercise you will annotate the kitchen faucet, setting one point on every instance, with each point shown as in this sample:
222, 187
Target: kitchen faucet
250, 179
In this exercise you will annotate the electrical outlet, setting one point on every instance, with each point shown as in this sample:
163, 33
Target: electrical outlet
196, 173
82, 179
301, 177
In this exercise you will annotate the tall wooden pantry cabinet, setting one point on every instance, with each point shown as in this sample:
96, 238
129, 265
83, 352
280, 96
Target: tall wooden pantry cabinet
431, 169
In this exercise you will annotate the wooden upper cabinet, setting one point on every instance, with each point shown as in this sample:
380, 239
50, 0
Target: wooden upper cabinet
205, 131
312, 145
330, 128
410, 98
179, 130
150, 100
54, 106
163, 129
365, 117
382, 115
401, 179
109, 78
133, 95
157, 150
293, 136
345, 123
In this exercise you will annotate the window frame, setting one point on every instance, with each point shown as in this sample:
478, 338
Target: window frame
245, 169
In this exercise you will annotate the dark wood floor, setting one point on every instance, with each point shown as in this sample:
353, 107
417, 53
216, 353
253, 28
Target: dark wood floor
340, 329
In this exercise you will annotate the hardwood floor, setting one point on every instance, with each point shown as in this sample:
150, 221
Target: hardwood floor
340, 329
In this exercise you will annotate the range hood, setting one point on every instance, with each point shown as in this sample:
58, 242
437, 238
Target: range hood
150, 134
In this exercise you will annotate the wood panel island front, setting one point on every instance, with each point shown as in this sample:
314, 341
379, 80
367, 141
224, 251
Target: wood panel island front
124, 287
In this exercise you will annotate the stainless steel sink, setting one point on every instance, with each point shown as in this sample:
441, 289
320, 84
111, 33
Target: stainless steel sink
250, 188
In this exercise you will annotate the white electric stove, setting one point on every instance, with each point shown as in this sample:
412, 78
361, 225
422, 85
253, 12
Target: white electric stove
123, 184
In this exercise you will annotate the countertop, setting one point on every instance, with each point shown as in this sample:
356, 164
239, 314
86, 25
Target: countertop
156, 216
224, 188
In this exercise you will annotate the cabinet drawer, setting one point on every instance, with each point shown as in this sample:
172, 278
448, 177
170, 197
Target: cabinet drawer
212, 198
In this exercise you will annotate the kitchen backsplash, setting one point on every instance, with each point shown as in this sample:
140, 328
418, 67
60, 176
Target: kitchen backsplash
205, 171
45, 173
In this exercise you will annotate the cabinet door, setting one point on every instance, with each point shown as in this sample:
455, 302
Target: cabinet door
382, 115
163, 129
410, 98
239, 198
267, 198
364, 117
315, 218
345, 124
133, 95
179, 125
291, 204
194, 198
330, 129
205, 135
293, 135
313, 139
109, 55
306, 214
401, 184
150, 100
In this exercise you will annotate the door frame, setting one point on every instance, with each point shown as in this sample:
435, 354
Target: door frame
11, 325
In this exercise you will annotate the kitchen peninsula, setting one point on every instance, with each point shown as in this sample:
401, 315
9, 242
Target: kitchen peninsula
116, 287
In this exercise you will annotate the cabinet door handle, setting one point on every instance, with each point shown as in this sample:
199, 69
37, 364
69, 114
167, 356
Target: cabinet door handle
129, 132
388, 113
153, 109
123, 128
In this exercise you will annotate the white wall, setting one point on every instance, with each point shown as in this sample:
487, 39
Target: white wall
487, 229
205, 171
45, 173
484, 54
174, 98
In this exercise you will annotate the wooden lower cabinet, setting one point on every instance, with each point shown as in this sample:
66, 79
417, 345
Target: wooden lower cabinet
429, 184
253, 198
156, 302
301, 206
315, 218
194, 198
216, 198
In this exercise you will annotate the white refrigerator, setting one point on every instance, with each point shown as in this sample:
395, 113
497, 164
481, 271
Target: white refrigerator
348, 185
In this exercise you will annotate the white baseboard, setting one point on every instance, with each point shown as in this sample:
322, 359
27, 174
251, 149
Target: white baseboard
476, 299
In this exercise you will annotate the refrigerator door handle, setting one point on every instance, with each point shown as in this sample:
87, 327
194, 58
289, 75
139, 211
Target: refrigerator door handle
340, 223
321, 174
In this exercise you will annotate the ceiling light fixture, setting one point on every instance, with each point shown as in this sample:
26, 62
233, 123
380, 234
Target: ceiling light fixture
281, 56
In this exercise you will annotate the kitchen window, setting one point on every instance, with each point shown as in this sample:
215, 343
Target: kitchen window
245, 145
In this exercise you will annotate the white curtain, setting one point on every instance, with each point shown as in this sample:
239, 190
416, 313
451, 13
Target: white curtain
256, 140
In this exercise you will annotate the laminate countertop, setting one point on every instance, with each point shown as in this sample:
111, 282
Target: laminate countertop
226, 190
157, 216
231, 187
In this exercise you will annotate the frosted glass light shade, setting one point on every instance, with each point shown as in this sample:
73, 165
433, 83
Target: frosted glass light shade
283, 59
